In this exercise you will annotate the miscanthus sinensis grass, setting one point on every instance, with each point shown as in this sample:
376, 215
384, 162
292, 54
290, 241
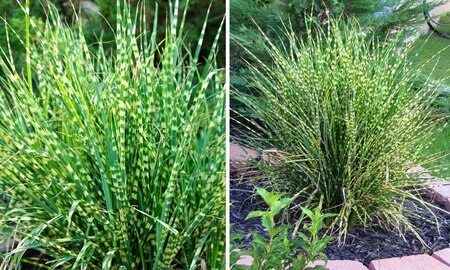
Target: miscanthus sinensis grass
347, 119
113, 162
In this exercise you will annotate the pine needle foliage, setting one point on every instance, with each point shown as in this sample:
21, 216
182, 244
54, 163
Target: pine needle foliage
113, 163
347, 119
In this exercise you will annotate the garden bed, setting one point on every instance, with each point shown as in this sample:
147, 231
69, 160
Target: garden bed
363, 245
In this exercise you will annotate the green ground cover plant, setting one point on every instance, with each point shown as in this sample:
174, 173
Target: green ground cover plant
445, 21
430, 55
441, 144
113, 163
282, 251
347, 117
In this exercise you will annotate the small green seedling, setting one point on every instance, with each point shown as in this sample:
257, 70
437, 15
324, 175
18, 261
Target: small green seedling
279, 251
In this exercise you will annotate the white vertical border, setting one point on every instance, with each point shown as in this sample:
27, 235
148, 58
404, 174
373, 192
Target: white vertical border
227, 128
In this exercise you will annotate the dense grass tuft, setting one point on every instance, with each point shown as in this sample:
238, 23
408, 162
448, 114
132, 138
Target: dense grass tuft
113, 163
347, 119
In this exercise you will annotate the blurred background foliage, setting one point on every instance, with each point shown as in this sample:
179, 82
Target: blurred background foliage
102, 26
381, 17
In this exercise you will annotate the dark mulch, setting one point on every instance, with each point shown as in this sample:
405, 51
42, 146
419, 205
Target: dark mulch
363, 245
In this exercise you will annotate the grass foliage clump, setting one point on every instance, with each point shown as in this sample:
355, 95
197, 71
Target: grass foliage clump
113, 163
347, 120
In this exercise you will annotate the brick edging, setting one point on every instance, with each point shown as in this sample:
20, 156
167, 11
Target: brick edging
439, 260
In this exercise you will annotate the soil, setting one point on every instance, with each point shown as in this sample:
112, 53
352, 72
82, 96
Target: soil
363, 245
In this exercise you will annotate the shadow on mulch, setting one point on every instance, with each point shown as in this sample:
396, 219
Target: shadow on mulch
363, 245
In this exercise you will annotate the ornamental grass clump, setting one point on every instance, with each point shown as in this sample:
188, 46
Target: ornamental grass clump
113, 162
344, 118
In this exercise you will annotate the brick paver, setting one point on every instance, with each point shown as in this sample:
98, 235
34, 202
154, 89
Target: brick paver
417, 169
416, 262
341, 265
443, 256
439, 191
240, 154
332, 265
440, 260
